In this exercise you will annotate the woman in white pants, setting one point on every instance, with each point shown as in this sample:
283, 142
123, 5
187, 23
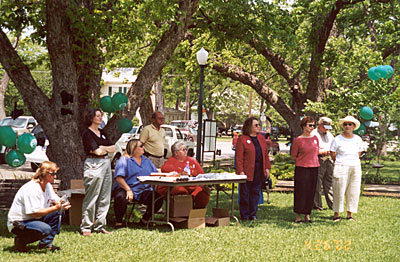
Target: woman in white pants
346, 149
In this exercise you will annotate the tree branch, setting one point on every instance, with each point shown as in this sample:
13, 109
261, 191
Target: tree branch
261, 88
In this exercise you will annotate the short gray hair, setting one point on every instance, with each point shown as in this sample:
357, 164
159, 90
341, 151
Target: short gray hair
177, 146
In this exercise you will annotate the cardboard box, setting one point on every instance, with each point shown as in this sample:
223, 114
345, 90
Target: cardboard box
180, 205
77, 184
77, 195
75, 212
220, 218
196, 219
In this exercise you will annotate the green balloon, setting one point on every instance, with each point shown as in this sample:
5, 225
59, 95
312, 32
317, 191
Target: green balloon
380, 71
366, 112
361, 130
106, 104
26, 143
15, 158
389, 71
124, 125
371, 74
7, 136
119, 100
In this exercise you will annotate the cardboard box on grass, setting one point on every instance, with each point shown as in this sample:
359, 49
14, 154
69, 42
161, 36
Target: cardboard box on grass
196, 219
180, 205
77, 195
220, 218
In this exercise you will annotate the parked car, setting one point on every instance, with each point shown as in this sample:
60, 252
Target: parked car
237, 129
172, 135
39, 154
187, 128
272, 142
20, 125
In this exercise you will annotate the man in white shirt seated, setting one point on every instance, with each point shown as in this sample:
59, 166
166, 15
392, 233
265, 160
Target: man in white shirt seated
36, 211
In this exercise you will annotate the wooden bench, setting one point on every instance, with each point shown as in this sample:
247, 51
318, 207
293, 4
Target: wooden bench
10, 187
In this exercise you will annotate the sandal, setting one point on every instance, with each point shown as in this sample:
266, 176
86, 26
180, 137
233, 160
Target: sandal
299, 221
350, 218
336, 219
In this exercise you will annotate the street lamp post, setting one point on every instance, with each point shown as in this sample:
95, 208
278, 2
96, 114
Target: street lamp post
202, 57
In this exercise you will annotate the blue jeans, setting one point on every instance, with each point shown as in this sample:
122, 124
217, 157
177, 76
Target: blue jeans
43, 229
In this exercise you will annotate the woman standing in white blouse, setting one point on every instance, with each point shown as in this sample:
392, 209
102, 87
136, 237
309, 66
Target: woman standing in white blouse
346, 149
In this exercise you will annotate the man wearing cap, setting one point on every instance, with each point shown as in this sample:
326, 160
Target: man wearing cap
153, 138
325, 172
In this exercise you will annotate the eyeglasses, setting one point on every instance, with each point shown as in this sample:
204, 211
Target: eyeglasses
184, 149
348, 124
256, 125
141, 146
311, 125
52, 174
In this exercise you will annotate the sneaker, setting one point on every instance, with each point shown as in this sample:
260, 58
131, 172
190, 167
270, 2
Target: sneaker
19, 245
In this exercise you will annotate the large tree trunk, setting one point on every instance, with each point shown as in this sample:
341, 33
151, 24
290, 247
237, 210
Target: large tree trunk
79, 76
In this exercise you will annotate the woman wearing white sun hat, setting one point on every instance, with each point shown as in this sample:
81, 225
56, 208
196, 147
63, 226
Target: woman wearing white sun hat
346, 149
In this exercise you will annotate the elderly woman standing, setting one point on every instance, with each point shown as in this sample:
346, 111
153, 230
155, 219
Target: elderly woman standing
97, 176
127, 188
305, 152
252, 160
183, 164
346, 149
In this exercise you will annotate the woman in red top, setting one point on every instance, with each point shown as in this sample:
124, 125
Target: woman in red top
252, 160
185, 165
305, 152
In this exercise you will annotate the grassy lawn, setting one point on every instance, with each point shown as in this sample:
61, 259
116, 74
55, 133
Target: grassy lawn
374, 236
390, 173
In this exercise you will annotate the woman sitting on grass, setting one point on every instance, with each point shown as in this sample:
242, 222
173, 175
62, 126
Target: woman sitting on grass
127, 188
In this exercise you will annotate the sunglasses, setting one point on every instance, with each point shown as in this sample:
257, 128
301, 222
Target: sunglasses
311, 125
348, 124
256, 125
52, 174
141, 146
184, 149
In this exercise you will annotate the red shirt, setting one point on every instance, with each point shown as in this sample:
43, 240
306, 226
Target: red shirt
173, 164
305, 151
246, 155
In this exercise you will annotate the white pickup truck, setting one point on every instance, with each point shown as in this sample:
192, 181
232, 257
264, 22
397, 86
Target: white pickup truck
172, 135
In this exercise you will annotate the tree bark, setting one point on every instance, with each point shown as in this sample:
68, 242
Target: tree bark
4, 81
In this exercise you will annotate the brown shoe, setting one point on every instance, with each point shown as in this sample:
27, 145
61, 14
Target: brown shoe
86, 233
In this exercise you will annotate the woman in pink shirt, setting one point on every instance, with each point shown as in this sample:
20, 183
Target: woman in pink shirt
305, 152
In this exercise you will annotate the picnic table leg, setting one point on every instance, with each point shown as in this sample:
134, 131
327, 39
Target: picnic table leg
152, 210
217, 186
233, 204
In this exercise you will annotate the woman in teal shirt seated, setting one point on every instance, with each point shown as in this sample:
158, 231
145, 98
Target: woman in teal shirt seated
127, 188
